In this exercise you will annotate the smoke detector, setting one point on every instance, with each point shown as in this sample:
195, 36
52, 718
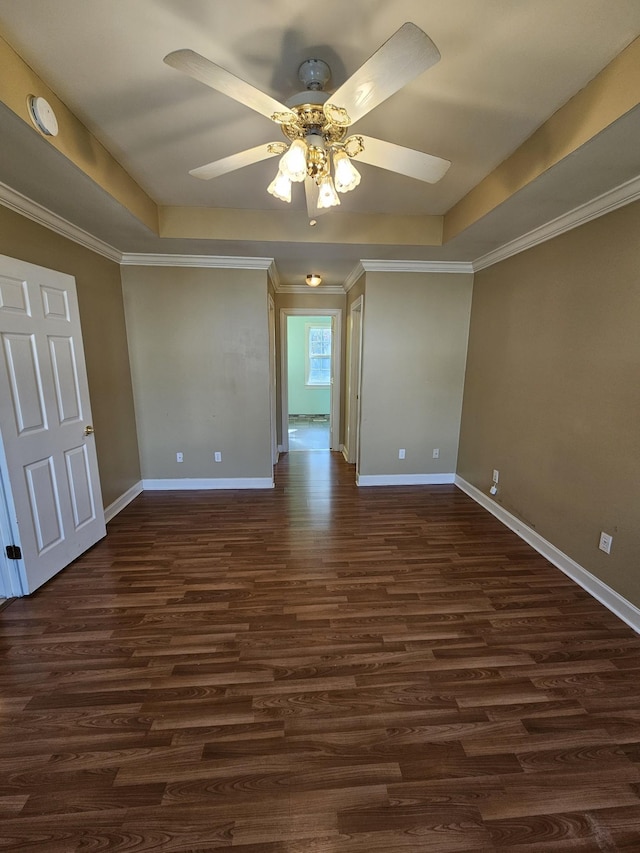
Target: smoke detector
43, 116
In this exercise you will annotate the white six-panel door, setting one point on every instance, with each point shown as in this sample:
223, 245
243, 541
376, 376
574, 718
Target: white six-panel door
45, 420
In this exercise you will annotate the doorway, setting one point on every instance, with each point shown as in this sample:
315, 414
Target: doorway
273, 390
309, 371
354, 375
310, 379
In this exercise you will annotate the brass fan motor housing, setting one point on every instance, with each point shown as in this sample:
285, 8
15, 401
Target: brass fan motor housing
312, 119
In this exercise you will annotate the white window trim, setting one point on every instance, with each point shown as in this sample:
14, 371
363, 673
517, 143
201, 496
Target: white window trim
307, 356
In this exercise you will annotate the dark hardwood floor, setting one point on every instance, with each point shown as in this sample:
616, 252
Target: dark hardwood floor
316, 669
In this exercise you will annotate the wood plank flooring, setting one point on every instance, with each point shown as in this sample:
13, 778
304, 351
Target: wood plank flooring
316, 669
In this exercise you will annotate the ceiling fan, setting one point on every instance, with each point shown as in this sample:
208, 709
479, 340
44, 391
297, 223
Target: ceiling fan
316, 123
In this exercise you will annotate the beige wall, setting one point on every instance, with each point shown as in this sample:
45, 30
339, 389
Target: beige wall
413, 361
357, 290
105, 342
552, 394
200, 368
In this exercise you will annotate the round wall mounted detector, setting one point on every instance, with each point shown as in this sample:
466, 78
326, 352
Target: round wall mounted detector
43, 116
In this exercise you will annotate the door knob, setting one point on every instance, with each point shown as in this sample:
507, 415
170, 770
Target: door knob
88, 430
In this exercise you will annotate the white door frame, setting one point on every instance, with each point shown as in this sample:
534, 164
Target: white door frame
336, 346
11, 571
272, 379
354, 379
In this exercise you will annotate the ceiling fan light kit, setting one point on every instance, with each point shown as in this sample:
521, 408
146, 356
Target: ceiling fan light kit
316, 123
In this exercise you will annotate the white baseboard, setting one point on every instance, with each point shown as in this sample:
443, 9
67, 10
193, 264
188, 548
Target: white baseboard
120, 503
603, 593
344, 452
191, 483
404, 479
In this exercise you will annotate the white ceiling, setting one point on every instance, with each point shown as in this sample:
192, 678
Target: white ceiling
506, 67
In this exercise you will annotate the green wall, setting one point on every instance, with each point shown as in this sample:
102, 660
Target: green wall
303, 400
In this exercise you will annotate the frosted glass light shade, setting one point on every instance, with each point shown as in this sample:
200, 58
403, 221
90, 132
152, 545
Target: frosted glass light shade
347, 177
280, 187
294, 162
327, 195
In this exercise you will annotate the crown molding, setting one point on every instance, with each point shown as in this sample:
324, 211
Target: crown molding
274, 276
606, 203
371, 265
37, 213
356, 273
322, 290
227, 262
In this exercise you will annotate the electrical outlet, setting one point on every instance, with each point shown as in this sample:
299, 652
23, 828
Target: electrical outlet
217, 456
436, 452
401, 453
496, 475
605, 542
179, 457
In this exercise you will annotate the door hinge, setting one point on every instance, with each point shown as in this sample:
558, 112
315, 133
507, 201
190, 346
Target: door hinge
14, 552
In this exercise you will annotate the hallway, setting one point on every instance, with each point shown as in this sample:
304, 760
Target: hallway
309, 432
317, 667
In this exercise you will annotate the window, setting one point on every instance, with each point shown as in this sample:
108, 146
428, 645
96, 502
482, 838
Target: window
317, 355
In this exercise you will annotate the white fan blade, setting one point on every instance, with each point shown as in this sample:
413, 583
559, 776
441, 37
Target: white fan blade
406, 161
233, 162
224, 81
311, 195
400, 60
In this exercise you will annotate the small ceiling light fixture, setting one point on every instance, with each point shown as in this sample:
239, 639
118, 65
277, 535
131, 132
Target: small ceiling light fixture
313, 279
